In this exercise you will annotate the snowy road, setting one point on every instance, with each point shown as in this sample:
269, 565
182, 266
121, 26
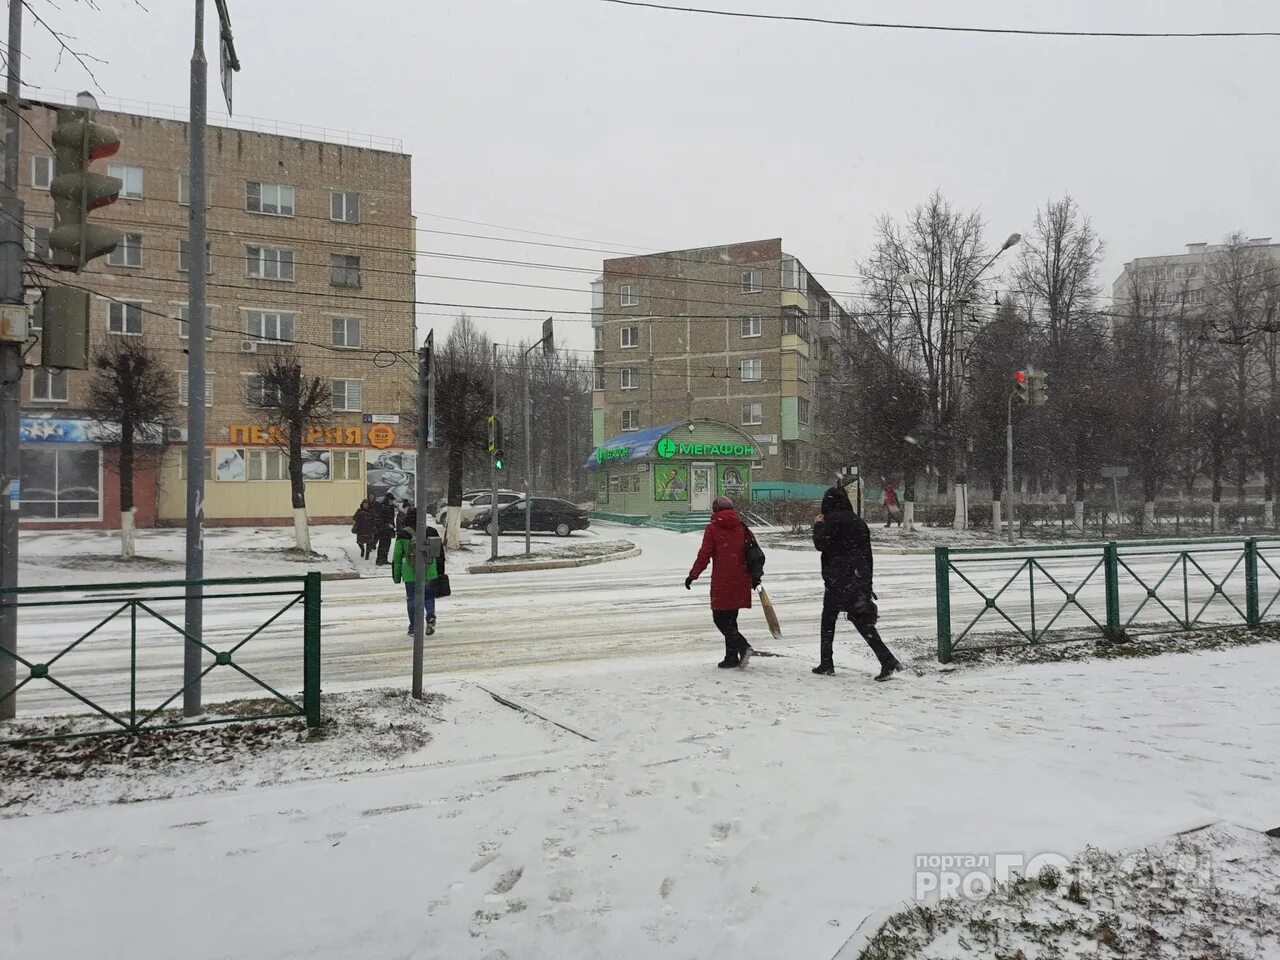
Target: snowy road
627, 609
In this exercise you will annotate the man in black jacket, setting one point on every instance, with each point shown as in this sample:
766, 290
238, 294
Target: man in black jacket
386, 512
842, 537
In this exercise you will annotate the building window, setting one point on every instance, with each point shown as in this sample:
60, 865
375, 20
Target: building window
1193, 297
630, 420
789, 460
41, 172
752, 369
752, 281
184, 389
184, 322
273, 325
184, 256
629, 295
802, 367
128, 252
266, 465
182, 464
802, 410
184, 189
627, 378
346, 464
348, 396
599, 331
269, 263
259, 393
598, 383
271, 198
752, 327
346, 332
61, 482
130, 177
752, 414
629, 337
344, 270
49, 386
795, 323
344, 206
37, 242
125, 317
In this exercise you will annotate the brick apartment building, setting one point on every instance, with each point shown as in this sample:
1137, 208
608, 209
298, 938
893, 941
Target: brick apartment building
310, 243
731, 333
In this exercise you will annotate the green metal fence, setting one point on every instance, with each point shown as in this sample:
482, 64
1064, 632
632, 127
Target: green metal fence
136, 604
1114, 590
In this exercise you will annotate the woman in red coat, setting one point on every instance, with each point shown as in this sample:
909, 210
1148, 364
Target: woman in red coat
724, 545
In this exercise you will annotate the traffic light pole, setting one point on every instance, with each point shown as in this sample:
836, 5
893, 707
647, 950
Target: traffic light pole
1008, 470
194, 622
11, 293
493, 470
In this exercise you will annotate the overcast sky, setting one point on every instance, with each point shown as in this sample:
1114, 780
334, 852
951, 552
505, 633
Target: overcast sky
645, 130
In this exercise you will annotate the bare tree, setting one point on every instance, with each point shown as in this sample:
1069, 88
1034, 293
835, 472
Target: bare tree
295, 406
464, 392
131, 393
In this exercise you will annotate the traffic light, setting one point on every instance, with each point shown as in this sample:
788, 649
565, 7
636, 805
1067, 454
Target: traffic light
77, 142
495, 435
1039, 389
1021, 387
499, 461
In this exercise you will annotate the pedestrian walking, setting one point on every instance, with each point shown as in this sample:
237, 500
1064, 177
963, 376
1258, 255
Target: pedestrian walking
845, 543
402, 571
724, 546
892, 509
365, 526
386, 517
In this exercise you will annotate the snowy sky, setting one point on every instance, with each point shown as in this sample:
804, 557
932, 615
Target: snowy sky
643, 130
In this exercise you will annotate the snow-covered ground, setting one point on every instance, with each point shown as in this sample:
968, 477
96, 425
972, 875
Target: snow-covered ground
704, 813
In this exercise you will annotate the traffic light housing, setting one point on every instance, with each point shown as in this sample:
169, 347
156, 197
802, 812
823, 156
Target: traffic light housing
1039, 388
499, 461
1021, 387
495, 436
77, 142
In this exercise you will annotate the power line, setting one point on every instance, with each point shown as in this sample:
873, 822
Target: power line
938, 28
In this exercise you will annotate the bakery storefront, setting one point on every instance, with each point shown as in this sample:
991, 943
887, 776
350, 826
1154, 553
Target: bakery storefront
672, 469
247, 473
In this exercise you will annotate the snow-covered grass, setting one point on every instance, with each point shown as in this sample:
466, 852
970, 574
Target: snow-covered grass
1211, 893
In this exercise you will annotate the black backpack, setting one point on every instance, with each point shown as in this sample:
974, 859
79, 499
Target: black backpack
754, 555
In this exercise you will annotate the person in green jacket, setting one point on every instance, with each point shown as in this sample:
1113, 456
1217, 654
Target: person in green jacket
402, 570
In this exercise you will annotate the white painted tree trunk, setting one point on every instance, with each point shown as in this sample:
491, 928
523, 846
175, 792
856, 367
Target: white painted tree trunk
995, 517
453, 528
1217, 517
1269, 513
127, 519
301, 532
1148, 516
961, 518
1079, 517
908, 515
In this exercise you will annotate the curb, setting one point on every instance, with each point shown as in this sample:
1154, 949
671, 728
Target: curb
553, 564
341, 575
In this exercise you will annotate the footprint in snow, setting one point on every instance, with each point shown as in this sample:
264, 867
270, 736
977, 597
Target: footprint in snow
508, 880
721, 831
668, 884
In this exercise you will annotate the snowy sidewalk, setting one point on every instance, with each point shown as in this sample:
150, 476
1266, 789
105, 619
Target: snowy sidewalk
745, 814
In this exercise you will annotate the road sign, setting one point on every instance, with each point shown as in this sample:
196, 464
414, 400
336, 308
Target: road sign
392, 418
226, 52
1115, 473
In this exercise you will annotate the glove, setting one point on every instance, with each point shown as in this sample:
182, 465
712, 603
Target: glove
688, 583
755, 584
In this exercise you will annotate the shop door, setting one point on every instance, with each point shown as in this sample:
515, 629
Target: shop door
702, 480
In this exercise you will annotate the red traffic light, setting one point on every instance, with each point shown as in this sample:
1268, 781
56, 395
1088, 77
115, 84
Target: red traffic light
1020, 376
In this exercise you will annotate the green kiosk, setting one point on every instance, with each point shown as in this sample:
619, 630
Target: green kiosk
667, 476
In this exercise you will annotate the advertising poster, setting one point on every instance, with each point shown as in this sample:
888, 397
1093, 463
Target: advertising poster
315, 465
733, 481
671, 482
393, 472
602, 488
228, 463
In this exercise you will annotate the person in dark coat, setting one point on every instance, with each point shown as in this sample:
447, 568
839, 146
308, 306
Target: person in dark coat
724, 546
365, 526
845, 542
386, 513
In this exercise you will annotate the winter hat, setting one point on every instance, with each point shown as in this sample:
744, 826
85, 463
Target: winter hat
721, 503
836, 499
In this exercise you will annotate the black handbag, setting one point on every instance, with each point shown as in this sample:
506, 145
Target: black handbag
754, 555
440, 586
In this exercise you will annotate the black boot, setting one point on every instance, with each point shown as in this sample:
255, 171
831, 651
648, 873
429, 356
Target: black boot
827, 667
730, 657
745, 651
887, 670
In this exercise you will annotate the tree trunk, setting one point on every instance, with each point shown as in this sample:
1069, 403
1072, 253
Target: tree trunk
126, 488
908, 515
908, 500
1078, 519
298, 490
1148, 516
995, 515
1269, 495
453, 529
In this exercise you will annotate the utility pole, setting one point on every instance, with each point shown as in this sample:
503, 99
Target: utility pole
1008, 470
547, 343
493, 468
960, 434
196, 323
11, 294
420, 501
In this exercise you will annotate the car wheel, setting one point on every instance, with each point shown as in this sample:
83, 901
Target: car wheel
563, 530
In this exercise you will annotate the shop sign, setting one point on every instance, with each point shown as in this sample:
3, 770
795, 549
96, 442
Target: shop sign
379, 436
668, 448
392, 418
605, 454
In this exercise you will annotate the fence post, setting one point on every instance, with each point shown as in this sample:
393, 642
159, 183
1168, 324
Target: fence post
1111, 573
942, 577
1251, 606
311, 649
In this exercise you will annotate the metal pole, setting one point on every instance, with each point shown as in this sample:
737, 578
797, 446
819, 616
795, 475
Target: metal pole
11, 249
1008, 469
194, 625
528, 462
420, 525
493, 470
961, 519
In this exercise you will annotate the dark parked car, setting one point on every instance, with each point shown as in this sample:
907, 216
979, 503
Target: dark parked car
549, 515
